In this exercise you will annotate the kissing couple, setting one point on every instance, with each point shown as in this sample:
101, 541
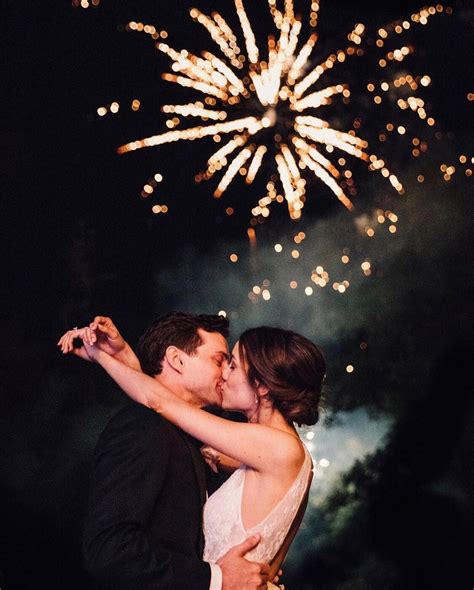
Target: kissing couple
149, 524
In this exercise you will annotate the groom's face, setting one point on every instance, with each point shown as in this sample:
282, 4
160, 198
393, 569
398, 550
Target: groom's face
202, 372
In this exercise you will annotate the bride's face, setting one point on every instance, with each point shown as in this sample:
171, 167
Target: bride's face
237, 393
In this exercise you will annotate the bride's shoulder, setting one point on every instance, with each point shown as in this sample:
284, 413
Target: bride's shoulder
289, 449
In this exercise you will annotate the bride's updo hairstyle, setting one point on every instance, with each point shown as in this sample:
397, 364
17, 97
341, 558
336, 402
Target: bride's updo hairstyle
290, 365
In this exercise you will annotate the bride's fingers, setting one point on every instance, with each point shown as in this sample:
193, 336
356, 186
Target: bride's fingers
212, 465
63, 338
93, 336
62, 342
70, 337
81, 333
89, 336
70, 342
65, 342
86, 336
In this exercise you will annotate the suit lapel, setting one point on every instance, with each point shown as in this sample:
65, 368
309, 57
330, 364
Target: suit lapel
198, 464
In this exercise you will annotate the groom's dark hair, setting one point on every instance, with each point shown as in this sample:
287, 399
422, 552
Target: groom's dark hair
178, 329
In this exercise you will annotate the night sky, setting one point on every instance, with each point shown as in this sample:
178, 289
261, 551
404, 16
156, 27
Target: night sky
80, 240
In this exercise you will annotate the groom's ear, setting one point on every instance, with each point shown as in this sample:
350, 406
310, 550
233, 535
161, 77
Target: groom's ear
173, 356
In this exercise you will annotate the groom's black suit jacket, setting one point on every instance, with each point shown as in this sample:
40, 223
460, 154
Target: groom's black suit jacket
143, 525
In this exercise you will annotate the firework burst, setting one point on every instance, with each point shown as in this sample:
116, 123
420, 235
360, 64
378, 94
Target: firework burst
261, 105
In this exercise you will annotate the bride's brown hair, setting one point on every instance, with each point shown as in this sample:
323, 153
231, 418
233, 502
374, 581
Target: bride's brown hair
290, 365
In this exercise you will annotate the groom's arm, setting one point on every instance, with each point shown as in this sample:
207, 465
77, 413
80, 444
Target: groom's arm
126, 482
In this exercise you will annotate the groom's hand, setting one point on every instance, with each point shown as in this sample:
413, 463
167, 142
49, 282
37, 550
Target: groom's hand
240, 574
108, 337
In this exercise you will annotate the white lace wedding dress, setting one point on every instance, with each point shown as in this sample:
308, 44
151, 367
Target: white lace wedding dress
223, 526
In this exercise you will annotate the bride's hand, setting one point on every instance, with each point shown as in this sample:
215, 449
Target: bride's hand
74, 341
211, 457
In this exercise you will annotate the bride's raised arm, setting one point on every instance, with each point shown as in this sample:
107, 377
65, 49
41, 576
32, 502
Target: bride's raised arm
258, 446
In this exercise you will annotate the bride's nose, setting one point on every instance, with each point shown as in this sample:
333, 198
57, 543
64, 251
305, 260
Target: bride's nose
225, 372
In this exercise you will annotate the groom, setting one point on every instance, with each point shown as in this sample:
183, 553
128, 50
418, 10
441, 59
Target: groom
143, 527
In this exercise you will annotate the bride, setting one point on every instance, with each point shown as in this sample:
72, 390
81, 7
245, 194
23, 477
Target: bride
274, 378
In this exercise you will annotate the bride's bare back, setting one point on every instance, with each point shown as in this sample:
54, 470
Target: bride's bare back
237, 510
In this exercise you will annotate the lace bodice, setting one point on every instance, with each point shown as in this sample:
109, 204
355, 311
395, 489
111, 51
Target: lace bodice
223, 526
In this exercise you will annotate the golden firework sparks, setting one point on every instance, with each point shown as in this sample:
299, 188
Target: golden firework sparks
277, 89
